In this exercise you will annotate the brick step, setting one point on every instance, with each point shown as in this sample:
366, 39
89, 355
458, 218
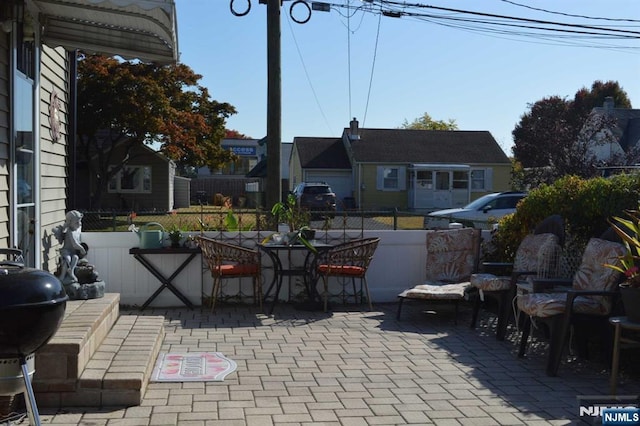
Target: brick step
85, 325
97, 360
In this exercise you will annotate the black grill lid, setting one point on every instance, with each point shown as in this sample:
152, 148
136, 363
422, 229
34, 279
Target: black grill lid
22, 286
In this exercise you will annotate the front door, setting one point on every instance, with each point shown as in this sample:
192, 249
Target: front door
442, 192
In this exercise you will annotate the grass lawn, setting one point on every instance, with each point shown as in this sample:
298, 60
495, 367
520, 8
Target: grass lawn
209, 218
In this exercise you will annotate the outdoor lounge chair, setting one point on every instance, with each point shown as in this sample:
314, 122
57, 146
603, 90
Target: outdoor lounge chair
452, 256
590, 297
231, 261
537, 255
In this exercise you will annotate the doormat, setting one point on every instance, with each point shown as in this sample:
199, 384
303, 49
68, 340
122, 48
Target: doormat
192, 367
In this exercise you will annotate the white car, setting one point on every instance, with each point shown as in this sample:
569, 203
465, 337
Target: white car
482, 213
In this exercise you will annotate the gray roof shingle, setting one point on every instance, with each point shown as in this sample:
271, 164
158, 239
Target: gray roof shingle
322, 153
427, 146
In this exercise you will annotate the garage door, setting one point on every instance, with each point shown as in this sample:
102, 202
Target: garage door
339, 182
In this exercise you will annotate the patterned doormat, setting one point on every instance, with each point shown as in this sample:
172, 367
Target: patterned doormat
192, 367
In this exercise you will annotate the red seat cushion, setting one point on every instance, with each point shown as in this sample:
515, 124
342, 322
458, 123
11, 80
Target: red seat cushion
239, 269
349, 270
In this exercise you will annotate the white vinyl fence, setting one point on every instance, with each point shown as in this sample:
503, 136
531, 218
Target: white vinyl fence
399, 263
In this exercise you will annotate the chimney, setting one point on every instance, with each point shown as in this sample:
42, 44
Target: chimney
353, 130
608, 103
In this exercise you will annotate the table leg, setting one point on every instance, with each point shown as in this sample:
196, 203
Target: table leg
276, 280
166, 282
615, 361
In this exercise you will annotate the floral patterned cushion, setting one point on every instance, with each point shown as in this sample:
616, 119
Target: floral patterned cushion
451, 254
591, 275
544, 305
490, 282
536, 253
439, 291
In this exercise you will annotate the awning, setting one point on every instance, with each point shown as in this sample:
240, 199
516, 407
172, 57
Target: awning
132, 29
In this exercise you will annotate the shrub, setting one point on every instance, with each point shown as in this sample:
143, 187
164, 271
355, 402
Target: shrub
584, 204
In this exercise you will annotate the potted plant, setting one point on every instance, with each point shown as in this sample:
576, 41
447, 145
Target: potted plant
628, 229
175, 235
296, 218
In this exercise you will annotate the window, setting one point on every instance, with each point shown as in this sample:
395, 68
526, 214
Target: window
481, 179
460, 180
132, 179
477, 179
391, 178
424, 179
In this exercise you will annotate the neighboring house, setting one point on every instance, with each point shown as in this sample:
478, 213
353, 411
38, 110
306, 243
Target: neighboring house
403, 168
145, 183
249, 153
322, 160
37, 75
619, 138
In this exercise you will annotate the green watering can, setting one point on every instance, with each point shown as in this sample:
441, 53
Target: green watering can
151, 238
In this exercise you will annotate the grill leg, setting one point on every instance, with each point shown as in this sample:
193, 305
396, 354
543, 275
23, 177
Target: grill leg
30, 399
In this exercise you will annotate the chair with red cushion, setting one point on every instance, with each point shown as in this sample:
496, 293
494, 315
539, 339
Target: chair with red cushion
231, 261
348, 260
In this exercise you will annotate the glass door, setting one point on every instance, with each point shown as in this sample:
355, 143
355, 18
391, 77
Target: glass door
442, 193
24, 171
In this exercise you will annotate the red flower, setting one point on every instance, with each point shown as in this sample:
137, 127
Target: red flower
631, 272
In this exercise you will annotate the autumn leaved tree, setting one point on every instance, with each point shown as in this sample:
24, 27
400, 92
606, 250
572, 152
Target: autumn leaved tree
427, 123
551, 139
127, 104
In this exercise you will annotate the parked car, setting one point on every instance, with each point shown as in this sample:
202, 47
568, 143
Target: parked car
480, 213
315, 196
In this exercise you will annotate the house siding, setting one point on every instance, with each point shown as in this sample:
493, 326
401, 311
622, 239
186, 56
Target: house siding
4, 139
373, 199
159, 198
501, 179
54, 74
295, 168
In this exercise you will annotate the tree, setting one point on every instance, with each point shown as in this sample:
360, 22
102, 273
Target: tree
126, 104
551, 139
427, 123
234, 134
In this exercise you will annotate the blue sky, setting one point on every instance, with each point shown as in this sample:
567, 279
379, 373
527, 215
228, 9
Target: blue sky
385, 70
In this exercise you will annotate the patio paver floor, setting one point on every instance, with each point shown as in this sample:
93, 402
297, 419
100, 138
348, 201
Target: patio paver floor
356, 368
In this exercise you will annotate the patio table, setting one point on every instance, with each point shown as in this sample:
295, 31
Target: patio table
305, 270
166, 282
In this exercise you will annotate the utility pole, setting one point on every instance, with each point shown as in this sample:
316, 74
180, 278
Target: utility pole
274, 104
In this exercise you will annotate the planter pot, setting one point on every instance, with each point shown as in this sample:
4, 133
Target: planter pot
308, 234
631, 302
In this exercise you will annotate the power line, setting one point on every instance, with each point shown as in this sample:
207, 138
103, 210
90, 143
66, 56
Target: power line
306, 73
373, 65
570, 14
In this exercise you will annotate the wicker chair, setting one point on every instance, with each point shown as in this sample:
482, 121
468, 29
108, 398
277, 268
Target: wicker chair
452, 256
589, 299
537, 255
349, 260
231, 261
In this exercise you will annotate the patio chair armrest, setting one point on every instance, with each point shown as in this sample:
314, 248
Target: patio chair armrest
573, 293
557, 284
497, 268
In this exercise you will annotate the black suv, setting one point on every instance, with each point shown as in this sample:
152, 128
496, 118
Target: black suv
315, 196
